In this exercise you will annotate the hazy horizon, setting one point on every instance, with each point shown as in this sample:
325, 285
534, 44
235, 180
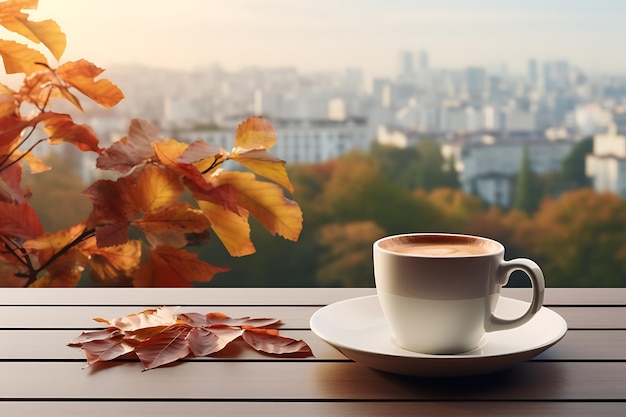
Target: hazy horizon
324, 35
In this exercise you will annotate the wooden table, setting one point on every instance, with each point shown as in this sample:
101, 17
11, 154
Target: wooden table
583, 375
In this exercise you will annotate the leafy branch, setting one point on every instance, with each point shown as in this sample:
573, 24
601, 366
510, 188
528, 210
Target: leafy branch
150, 175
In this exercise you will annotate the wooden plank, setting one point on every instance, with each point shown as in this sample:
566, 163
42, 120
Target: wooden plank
334, 381
78, 317
51, 345
263, 296
179, 296
298, 408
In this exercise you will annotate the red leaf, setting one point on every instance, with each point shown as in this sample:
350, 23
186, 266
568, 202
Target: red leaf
159, 337
61, 127
269, 342
19, 220
205, 341
165, 347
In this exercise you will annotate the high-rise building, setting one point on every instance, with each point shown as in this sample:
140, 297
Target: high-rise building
422, 59
533, 71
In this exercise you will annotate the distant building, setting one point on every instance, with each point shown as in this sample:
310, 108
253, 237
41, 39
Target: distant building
299, 141
607, 165
490, 170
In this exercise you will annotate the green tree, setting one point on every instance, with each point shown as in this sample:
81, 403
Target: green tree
573, 167
527, 192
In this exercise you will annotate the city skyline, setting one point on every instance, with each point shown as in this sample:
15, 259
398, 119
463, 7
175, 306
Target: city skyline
313, 36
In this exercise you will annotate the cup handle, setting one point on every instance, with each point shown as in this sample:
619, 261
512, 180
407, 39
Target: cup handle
535, 275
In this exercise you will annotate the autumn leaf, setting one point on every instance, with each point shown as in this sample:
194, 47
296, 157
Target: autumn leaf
132, 150
172, 224
19, 220
165, 347
232, 228
61, 128
157, 188
81, 75
268, 341
170, 267
152, 317
12, 177
205, 341
160, 336
266, 202
206, 158
47, 32
114, 205
19, 58
264, 164
112, 265
255, 133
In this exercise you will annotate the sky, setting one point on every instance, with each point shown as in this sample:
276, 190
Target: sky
314, 35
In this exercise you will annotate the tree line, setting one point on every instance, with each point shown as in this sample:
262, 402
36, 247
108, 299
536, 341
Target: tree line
577, 235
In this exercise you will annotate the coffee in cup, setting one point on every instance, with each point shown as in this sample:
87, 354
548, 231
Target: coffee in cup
439, 291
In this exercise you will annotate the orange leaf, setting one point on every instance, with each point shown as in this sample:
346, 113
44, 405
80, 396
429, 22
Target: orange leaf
169, 267
81, 75
171, 224
61, 128
255, 133
113, 264
19, 220
132, 150
232, 228
264, 164
20, 58
157, 188
266, 202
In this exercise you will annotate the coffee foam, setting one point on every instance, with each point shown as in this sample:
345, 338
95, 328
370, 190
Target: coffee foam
443, 250
440, 245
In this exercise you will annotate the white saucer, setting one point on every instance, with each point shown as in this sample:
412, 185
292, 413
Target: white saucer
358, 328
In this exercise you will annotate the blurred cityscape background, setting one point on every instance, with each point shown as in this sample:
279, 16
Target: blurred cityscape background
535, 158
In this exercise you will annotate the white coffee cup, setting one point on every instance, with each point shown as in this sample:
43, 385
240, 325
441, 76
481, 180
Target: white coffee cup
438, 291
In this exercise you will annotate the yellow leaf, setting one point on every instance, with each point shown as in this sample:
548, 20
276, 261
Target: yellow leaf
47, 32
157, 188
264, 164
81, 75
18, 58
232, 228
255, 133
266, 202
